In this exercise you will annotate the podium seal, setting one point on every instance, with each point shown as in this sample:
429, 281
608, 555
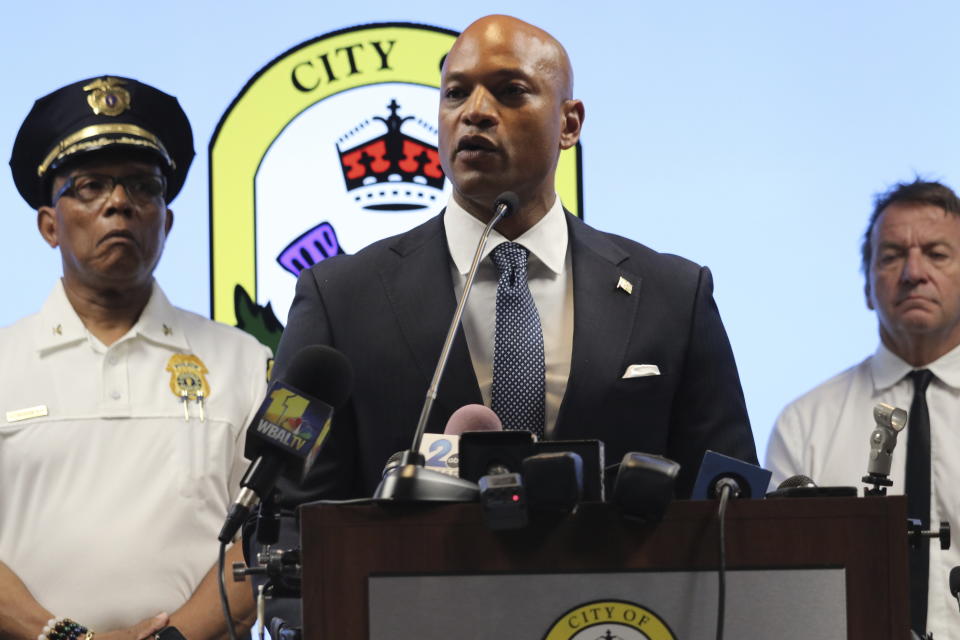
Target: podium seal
610, 620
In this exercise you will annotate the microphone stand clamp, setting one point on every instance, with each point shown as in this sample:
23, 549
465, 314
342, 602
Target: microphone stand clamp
916, 534
879, 482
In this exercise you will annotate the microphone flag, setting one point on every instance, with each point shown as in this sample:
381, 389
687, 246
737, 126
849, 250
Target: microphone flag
291, 423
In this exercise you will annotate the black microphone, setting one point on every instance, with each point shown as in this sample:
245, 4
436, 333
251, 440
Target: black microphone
291, 426
801, 486
644, 486
409, 480
392, 463
506, 204
554, 481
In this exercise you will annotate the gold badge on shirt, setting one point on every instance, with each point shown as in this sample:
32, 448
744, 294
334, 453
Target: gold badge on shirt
187, 380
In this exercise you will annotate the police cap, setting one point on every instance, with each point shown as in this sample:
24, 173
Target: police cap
99, 114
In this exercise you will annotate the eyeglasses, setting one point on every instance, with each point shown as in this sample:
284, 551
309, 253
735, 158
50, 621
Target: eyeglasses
90, 188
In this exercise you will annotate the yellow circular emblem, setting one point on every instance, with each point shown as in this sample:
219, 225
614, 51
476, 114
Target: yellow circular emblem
355, 94
609, 620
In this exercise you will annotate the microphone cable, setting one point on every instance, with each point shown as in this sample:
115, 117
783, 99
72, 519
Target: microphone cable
725, 487
224, 603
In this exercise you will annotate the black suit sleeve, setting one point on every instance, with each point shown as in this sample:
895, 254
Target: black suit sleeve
334, 474
709, 411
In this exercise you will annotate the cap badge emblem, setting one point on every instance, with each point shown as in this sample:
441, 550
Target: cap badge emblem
106, 96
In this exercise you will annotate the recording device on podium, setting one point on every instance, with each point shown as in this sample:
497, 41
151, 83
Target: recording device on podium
479, 451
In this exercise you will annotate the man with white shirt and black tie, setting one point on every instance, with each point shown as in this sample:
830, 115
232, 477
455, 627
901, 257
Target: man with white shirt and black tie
911, 260
569, 332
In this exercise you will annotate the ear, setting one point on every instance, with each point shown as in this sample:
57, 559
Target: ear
168, 223
866, 293
47, 225
572, 113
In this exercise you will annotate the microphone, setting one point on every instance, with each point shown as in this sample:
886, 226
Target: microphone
718, 472
472, 417
889, 422
801, 486
442, 451
392, 463
726, 478
291, 426
410, 481
798, 481
955, 583
505, 204
553, 481
644, 485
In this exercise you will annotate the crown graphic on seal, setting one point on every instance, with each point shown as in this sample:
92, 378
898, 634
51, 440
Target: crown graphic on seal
393, 171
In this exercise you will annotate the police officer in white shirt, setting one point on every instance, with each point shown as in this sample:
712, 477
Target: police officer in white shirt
122, 441
911, 259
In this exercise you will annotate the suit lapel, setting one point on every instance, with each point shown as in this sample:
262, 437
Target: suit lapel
603, 321
420, 289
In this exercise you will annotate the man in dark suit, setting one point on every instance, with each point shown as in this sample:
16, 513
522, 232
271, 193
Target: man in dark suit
627, 344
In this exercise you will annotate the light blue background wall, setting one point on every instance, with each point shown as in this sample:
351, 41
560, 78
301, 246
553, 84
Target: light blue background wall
747, 136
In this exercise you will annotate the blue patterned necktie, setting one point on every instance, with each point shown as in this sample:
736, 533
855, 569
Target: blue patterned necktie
518, 367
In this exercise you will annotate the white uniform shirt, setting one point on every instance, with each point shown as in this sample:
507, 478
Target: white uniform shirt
111, 503
551, 285
825, 434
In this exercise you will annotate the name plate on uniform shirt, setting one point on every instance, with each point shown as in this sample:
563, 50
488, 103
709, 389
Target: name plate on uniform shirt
25, 414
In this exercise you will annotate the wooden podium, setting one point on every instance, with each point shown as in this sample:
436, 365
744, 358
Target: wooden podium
349, 552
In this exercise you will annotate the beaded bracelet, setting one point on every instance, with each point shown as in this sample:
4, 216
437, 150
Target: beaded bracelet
64, 629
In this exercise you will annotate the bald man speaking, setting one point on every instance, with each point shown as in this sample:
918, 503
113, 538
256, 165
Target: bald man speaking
569, 332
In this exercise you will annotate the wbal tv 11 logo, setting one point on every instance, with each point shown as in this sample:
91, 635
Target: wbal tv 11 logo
294, 422
283, 422
328, 148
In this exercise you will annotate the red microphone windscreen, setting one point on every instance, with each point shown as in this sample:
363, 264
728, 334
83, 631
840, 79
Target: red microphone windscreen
472, 417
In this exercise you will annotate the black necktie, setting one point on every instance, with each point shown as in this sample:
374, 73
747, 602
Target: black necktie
518, 366
918, 495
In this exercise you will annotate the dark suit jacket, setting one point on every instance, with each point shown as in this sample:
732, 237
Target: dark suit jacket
387, 309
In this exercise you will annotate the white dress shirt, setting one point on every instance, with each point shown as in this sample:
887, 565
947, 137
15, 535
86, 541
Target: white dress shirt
111, 497
551, 284
825, 434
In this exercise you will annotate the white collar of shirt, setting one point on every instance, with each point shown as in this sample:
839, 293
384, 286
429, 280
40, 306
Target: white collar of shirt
546, 240
888, 368
60, 326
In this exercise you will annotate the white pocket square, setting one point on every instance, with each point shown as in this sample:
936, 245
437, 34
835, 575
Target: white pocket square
641, 371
